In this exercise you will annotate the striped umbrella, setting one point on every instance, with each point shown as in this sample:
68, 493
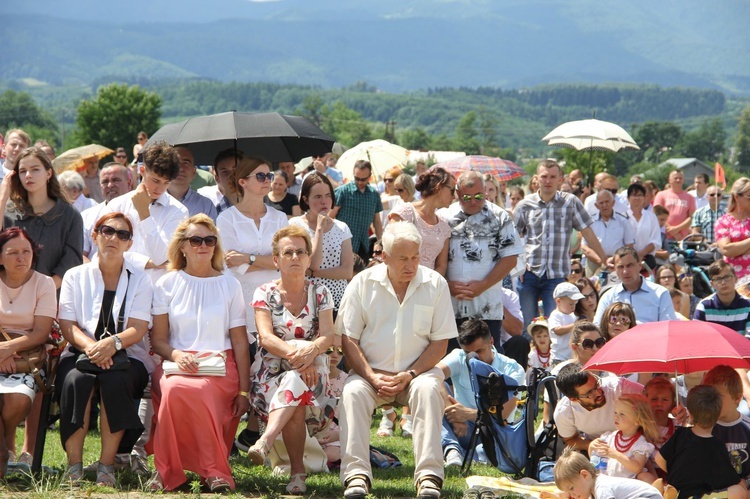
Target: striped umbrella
502, 169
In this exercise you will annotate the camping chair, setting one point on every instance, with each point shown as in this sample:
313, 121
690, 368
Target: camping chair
58, 344
542, 448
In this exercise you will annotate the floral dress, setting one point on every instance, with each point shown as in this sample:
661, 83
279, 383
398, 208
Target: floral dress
736, 230
275, 383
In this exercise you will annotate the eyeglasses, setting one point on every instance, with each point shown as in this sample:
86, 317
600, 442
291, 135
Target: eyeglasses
196, 241
592, 393
107, 231
299, 253
588, 344
576, 271
389, 180
339, 350
619, 321
121, 156
712, 195
722, 279
476, 197
357, 179
262, 177
665, 277
590, 295
400, 190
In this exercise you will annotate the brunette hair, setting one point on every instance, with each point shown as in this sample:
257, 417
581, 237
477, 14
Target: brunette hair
15, 232
431, 181
310, 181
18, 193
245, 167
615, 309
113, 216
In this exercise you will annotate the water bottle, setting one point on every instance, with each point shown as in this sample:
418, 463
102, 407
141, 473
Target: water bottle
599, 462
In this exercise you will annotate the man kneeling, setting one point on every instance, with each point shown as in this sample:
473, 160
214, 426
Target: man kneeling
396, 320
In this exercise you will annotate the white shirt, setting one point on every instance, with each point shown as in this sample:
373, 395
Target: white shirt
201, 310
613, 234
90, 217
620, 207
393, 335
646, 230
560, 343
83, 203
81, 297
511, 306
151, 236
239, 233
700, 201
212, 192
571, 418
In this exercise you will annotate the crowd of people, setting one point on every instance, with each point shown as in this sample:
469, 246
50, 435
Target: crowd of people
308, 300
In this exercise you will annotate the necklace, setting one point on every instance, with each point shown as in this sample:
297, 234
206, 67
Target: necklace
12, 297
301, 303
544, 359
623, 444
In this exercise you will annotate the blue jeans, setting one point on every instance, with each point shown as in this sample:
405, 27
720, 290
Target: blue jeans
449, 440
531, 290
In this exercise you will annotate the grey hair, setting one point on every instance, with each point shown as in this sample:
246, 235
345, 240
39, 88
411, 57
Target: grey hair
71, 180
606, 192
469, 178
400, 231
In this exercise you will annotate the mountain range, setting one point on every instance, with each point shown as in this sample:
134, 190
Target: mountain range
390, 44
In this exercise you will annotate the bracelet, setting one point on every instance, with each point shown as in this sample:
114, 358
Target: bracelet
318, 347
413, 374
244, 394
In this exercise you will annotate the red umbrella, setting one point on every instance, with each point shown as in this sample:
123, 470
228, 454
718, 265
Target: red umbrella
502, 169
673, 347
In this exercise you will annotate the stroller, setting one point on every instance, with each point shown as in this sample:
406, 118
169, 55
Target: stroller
513, 448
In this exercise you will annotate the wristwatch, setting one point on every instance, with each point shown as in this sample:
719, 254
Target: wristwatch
252, 259
118, 343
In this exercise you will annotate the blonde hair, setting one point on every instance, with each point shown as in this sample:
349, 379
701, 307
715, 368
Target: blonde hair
663, 384
569, 466
290, 231
643, 415
490, 179
740, 186
177, 259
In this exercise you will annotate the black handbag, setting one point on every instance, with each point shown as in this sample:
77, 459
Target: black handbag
120, 361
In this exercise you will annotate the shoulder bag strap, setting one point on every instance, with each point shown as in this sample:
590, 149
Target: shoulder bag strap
121, 317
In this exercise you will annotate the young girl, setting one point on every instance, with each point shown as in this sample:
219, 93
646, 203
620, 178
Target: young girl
629, 448
659, 392
329, 436
540, 354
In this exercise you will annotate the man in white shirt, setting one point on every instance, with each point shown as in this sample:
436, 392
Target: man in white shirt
612, 229
645, 226
16, 140
607, 183
700, 183
394, 357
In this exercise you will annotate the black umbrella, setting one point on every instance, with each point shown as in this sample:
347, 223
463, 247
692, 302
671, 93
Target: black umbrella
272, 136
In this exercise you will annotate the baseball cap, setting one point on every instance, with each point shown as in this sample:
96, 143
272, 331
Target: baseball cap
567, 289
537, 321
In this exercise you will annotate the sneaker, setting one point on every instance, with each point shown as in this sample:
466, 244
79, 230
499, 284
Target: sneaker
246, 439
386, 427
406, 426
25, 458
453, 458
139, 465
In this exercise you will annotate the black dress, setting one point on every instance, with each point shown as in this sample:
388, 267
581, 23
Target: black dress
286, 205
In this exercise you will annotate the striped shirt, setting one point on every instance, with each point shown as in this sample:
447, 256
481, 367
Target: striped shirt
735, 316
548, 228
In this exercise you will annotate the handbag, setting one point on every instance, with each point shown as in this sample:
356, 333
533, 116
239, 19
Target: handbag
27, 361
120, 361
210, 363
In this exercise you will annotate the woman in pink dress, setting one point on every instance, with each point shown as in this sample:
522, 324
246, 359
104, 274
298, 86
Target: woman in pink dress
197, 308
733, 230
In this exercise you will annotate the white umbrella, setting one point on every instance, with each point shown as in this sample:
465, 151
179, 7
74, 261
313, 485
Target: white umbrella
381, 154
591, 134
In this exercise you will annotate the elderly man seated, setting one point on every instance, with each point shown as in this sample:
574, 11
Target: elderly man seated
396, 320
474, 337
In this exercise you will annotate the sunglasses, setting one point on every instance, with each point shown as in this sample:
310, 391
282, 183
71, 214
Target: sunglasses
121, 156
592, 393
107, 231
400, 191
712, 195
299, 253
619, 321
262, 177
476, 197
588, 344
331, 350
196, 241
377, 252
357, 179
389, 180
576, 271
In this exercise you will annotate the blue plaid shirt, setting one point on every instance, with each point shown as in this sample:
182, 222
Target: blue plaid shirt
705, 219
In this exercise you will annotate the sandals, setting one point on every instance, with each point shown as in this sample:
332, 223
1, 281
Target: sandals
74, 473
296, 486
217, 484
357, 487
155, 484
105, 475
258, 453
428, 487
386, 425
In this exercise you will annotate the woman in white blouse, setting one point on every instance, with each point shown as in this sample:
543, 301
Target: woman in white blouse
247, 230
105, 307
197, 309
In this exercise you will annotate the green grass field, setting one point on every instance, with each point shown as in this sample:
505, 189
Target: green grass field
251, 481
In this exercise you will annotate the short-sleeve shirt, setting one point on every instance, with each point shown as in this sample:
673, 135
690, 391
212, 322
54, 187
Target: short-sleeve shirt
37, 296
393, 335
456, 362
609, 487
681, 206
548, 228
560, 343
477, 243
705, 219
286, 205
736, 436
357, 210
728, 227
201, 310
646, 230
433, 236
614, 233
572, 418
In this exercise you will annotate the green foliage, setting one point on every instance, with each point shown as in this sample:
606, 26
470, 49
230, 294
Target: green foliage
115, 116
18, 110
467, 135
742, 144
415, 139
707, 143
589, 162
345, 125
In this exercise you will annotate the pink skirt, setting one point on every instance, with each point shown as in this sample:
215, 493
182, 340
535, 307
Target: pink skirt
193, 426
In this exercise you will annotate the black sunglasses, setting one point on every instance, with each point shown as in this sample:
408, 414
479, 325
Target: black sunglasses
196, 241
331, 350
588, 344
262, 177
377, 252
122, 234
576, 271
